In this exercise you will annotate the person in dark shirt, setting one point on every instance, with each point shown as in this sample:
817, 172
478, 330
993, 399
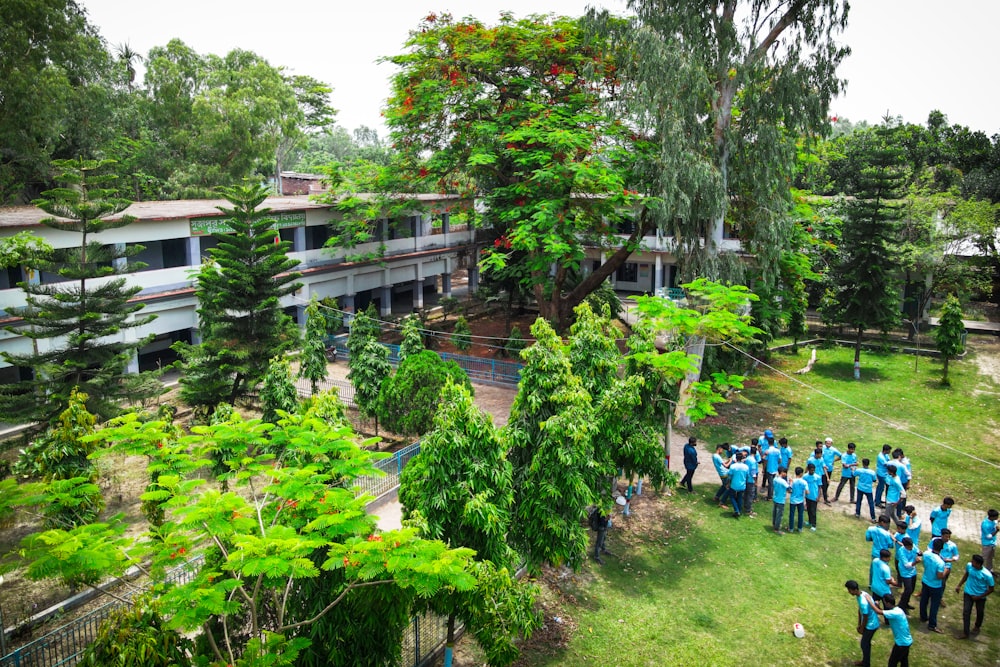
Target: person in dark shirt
690, 463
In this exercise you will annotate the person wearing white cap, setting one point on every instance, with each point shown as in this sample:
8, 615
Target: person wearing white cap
830, 456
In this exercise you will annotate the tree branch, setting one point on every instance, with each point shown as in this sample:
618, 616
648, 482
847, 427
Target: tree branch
333, 604
787, 19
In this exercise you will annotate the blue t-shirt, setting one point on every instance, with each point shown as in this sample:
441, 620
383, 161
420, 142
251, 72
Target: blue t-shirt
988, 533
880, 539
773, 455
754, 465
913, 530
847, 464
977, 582
939, 520
718, 461
894, 489
786, 456
866, 609
949, 551
932, 565
799, 488
780, 489
866, 477
907, 561
902, 472
881, 574
900, 626
738, 473
897, 539
830, 454
880, 462
814, 481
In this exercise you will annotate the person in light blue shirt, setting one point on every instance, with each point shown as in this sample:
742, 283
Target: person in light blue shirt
739, 473
907, 557
893, 492
772, 461
866, 478
988, 537
932, 585
785, 452
848, 462
722, 470
881, 575
913, 525
814, 481
753, 464
949, 552
780, 492
830, 456
939, 516
868, 622
879, 536
880, 462
797, 499
979, 584
900, 626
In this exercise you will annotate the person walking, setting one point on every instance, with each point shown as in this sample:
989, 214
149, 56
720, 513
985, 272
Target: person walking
780, 483
868, 621
866, 479
848, 464
796, 500
900, 625
830, 456
988, 537
979, 584
907, 557
932, 585
880, 472
690, 463
893, 492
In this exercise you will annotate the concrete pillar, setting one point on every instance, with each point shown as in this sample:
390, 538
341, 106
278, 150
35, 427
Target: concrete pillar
445, 223
386, 308
658, 274
299, 239
348, 301
418, 287
194, 251
445, 284
133, 363
473, 279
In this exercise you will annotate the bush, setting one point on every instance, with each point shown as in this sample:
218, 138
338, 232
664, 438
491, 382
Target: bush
515, 343
409, 399
135, 636
462, 335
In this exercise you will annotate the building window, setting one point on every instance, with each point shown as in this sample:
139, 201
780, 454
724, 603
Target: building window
628, 273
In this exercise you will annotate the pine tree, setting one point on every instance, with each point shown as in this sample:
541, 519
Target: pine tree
242, 323
312, 362
863, 279
950, 333
84, 321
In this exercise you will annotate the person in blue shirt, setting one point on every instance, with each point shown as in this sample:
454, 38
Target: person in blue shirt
780, 482
879, 536
868, 621
905, 474
772, 461
900, 626
797, 499
866, 478
785, 452
739, 474
881, 575
848, 462
830, 456
690, 463
893, 492
753, 463
988, 537
932, 585
979, 584
939, 516
949, 553
913, 525
814, 481
907, 557
880, 462
721, 464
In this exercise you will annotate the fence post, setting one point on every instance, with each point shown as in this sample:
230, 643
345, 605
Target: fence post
416, 641
399, 464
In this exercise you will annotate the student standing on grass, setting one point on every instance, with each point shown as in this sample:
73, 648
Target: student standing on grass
913, 525
949, 553
893, 491
785, 452
868, 621
599, 519
897, 537
722, 469
772, 461
905, 474
780, 483
797, 499
879, 536
932, 585
816, 459
978, 585
900, 626
830, 456
907, 557
739, 474
690, 463
880, 463
881, 575
866, 478
988, 537
939, 516
848, 463
814, 481
753, 464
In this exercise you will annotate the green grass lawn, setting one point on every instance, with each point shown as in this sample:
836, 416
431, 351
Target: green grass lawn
964, 416
690, 585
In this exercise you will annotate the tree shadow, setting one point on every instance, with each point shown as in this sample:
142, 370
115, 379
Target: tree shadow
844, 370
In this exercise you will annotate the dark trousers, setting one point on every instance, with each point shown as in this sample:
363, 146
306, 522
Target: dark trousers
769, 483
811, 511
602, 536
900, 656
736, 498
840, 487
866, 646
748, 496
871, 503
722, 495
777, 514
879, 490
930, 602
826, 487
890, 509
686, 481
909, 583
793, 509
980, 606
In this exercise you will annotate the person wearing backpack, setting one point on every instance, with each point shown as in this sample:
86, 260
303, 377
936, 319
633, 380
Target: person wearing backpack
599, 519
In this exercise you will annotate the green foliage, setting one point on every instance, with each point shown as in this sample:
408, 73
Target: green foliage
312, 361
17, 249
136, 636
605, 297
369, 368
413, 342
515, 342
364, 327
950, 334
84, 323
461, 336
278, 393
409, 399
449, 305
77, 556
239, 294
593, 350
332, 313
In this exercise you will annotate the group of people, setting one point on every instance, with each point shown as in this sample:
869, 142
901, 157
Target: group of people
937, 561
894, 535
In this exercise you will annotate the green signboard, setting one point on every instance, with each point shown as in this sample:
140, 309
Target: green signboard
217, 224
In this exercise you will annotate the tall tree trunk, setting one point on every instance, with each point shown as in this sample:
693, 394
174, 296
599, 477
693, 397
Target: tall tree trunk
944, 378
450, 642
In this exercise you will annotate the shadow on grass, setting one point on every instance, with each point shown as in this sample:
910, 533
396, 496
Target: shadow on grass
844, 370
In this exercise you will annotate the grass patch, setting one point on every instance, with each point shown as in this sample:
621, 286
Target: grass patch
689, 585
963, 416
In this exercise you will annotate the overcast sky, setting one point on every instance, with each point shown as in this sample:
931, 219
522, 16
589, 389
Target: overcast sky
909, 56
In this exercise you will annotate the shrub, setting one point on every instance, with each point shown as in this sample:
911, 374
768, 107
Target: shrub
409, 399
462, 335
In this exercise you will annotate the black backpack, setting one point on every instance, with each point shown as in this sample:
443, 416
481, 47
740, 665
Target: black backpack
597, 520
